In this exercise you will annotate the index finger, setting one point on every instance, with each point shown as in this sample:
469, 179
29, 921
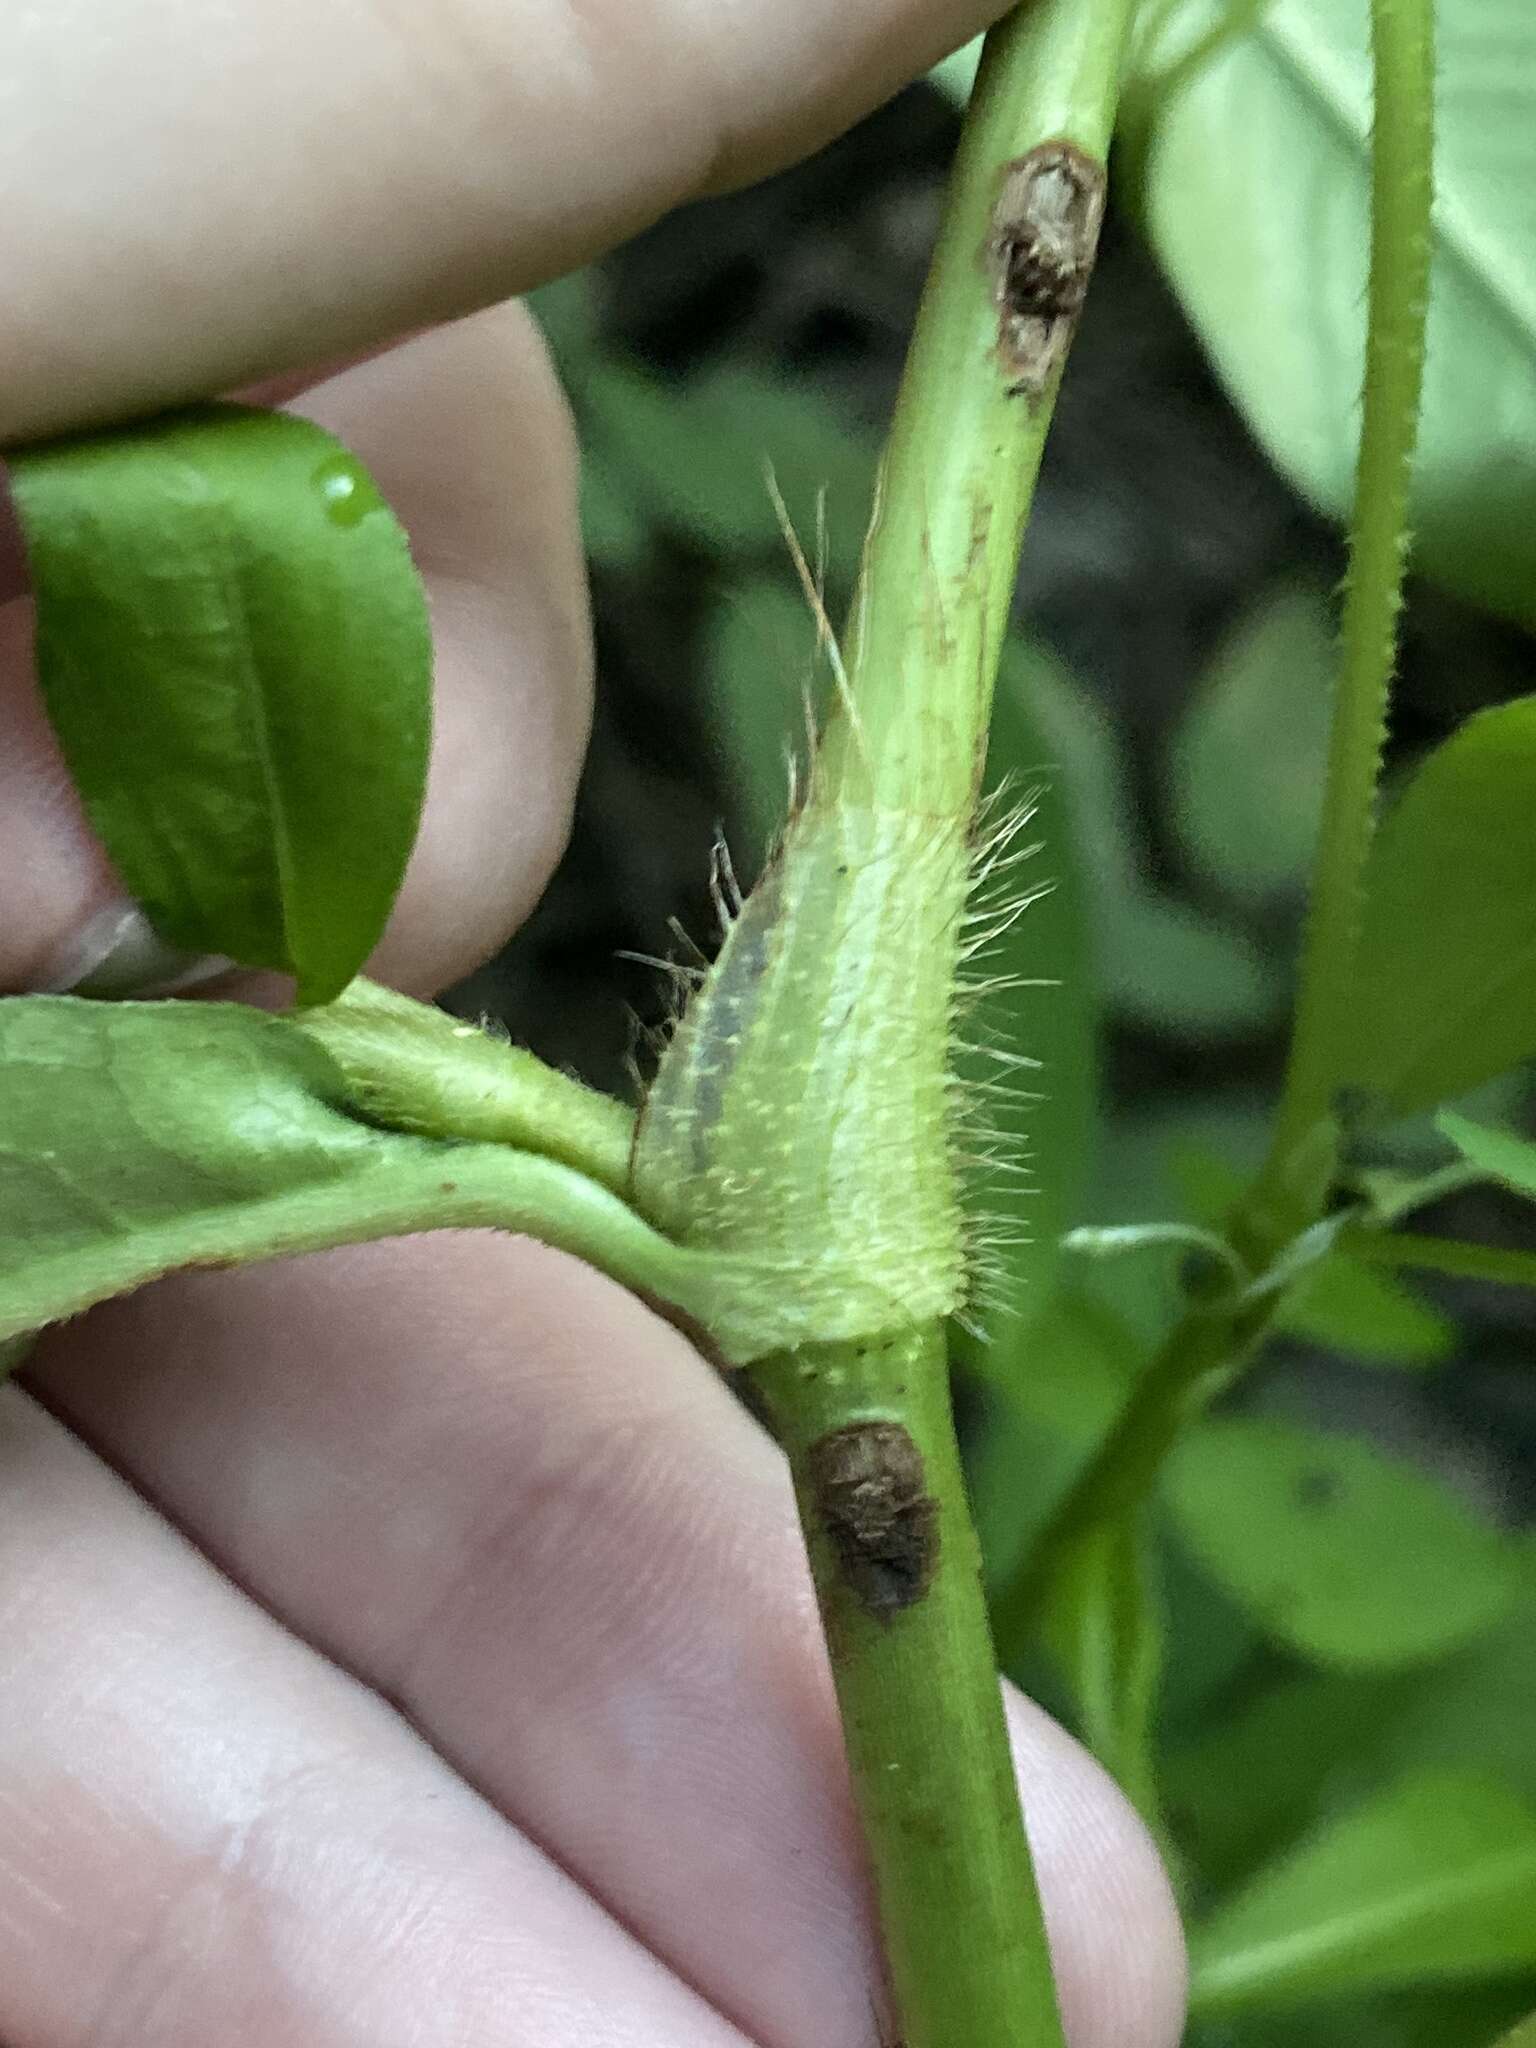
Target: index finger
194, 196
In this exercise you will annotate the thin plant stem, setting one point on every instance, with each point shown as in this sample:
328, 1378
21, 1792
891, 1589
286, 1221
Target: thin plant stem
1304, 1157
1209, 1346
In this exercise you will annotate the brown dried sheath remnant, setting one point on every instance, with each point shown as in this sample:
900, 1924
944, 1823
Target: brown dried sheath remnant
1045, 234
867, 1484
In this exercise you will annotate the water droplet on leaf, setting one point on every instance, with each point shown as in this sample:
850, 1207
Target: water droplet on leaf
346, 491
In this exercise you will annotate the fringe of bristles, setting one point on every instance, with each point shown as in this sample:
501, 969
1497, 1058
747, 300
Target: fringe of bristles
984, 1155
988, 1158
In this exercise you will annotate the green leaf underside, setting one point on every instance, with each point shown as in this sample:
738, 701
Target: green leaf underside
1353, 1558
1256, 199
1447, 966
234, 651
1502, 1155
140, 1138
1432, 1879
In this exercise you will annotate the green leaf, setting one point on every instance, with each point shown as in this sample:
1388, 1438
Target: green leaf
956, 74
1247, 1785
1256, 198
1502, 1155
698, 452
1059, 1381
234, 651
1434, 1879
1447, 969
1349, 1556
1524, 2036
1250, 753
1365, 1313
760, 672
1158, 961
1104, 1627
138, 1138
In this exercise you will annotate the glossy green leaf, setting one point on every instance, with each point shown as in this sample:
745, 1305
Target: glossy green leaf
1502, 1155
1433, 1879
234, 651
1256, 198
1447, 971
138, 1138
1250, 752
1351, 1557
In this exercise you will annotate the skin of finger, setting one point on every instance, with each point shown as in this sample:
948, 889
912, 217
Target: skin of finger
498, 1490
469, 436
283, 183
209, 1834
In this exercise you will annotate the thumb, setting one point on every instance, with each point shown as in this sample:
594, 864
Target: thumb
193, 196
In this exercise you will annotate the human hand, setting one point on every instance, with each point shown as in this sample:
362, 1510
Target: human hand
462, 1684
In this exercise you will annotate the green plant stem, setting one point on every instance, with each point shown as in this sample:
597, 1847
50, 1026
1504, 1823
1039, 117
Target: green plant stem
918, 1689
1199, 1358
963, 453
1208, 1346
922, 1717
1304, 1157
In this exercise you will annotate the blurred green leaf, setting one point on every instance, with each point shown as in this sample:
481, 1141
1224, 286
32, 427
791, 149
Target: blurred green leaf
1447, 970
234, 651
13, 1351
1354, 1558
1502, 1155
1432, 1879
699, 451
1468, 2016
1172, 968
760, 673
1103, 1627
1250, 754
1256, 198
1059, 1380
613, 520
1524, 2036
1244, 1786
1366, 1313
1160, 962
957, 73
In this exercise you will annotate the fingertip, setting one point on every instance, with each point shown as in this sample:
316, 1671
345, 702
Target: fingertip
1117, 1941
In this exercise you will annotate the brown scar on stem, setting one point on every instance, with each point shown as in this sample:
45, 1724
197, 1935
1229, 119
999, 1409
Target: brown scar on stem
868, 1485
1040, 251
